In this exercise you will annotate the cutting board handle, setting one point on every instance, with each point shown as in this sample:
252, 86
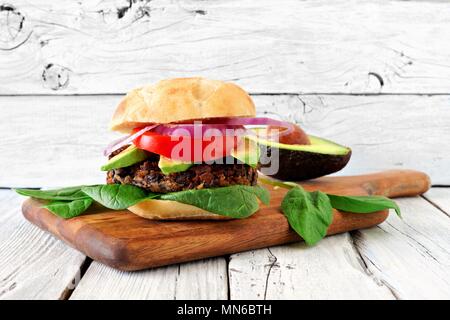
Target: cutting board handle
391, 183
398, 183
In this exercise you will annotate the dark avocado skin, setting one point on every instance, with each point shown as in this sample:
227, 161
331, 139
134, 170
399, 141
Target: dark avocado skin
301, 165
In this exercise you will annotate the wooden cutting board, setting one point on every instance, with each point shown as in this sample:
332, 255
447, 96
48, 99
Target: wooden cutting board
125, 241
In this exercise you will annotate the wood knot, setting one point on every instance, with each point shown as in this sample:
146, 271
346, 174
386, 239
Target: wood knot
55, 77
12, 33
139, 8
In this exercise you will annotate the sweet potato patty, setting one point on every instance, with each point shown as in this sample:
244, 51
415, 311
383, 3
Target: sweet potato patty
147, 175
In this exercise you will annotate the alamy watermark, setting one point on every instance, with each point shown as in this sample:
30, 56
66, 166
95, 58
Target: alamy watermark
203, 143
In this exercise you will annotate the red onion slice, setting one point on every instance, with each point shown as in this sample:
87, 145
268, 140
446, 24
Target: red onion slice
289, 127
222, 124
235, 124
261, 121
119, 143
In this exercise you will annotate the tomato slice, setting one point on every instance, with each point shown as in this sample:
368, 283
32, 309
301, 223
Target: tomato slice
185, 148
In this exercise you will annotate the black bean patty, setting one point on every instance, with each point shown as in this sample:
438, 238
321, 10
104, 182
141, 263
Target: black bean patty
147, 175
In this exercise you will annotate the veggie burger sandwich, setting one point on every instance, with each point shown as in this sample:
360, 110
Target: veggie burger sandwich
188, 147
191, 150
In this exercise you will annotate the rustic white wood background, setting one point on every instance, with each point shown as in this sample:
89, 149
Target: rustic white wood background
371, 74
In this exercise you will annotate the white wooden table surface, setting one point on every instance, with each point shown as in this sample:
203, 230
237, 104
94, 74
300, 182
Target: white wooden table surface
371, 74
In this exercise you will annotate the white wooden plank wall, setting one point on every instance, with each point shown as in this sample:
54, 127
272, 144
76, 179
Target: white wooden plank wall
313, 46
63, 137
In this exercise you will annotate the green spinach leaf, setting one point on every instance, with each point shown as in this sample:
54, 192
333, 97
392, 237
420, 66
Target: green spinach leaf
260, 192
70, 193
69, 209
308, 213
116, 196
233, 201
363, 204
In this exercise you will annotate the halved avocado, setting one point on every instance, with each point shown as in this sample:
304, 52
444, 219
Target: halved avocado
301, 162
127, 157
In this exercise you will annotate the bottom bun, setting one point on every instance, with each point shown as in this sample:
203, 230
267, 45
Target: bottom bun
172, 210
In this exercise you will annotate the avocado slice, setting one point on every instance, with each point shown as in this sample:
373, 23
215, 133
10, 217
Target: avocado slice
127, 157
301, 162
248, 152
168, 166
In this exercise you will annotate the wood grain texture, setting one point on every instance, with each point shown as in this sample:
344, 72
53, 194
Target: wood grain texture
384, 132
127, 242
33, 264
439, 197
63, 137
205, 279
76, 47
405, 259
410, 256
266, 46
331, 269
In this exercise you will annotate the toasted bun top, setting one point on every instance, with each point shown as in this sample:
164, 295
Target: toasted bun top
182, 99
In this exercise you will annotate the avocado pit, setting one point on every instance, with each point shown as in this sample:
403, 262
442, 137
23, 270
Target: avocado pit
297, 136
